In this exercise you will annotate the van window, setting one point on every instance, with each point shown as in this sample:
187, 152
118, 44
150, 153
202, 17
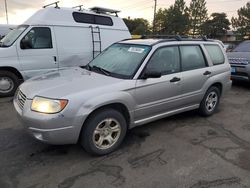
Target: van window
37, 38
12, 36
165, 60
215, 54
192, 58
92, 19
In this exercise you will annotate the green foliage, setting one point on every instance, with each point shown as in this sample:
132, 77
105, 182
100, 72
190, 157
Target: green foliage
242, 23
217, 26
173, 20
137, 26
198, 15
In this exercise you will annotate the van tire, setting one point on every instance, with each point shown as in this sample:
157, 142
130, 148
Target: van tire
97, 127
9, 82
210, 101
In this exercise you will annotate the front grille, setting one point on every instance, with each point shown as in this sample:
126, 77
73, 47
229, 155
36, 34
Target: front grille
21, 99
238, 61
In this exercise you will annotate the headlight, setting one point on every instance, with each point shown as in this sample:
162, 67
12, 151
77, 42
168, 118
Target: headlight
48, 106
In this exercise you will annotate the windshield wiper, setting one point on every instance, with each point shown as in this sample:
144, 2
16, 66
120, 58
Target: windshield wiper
101, 70
86, 67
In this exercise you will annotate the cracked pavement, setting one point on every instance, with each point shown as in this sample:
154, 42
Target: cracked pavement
184, 151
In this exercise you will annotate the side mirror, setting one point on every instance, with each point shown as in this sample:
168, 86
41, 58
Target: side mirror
25, 44
151, 74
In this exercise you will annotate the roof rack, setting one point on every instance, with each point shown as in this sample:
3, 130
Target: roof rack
176, 37
168, 38
79, 7
55, 3
102, 10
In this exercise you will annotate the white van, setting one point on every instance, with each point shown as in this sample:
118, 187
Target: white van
56, 37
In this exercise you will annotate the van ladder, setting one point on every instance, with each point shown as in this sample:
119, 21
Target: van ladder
96, 40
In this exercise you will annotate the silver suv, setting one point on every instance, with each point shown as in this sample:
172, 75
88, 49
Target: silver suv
239, 58
131, 83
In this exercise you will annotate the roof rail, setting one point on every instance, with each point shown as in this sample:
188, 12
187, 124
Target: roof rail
102, 10
176, 37
55, 3
79, 6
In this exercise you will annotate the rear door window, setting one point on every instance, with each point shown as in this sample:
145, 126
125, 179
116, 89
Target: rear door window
192, 58
215, 54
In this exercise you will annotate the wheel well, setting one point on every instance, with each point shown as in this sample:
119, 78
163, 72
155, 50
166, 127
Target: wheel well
218, 85
116, 106
13, 70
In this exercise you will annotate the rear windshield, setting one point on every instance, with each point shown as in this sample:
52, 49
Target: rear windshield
243, 47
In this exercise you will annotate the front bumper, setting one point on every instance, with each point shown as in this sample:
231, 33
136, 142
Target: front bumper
240, 72
49, 128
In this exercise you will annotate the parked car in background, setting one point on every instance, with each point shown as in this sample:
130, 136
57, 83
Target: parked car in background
5, 29
131, 83
239, 58
53, 38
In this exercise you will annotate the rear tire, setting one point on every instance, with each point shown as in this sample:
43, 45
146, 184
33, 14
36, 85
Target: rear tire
103, 132
210, 101
8, 83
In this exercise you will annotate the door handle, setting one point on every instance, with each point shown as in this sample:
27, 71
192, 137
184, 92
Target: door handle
207, 73
175, 79
55, 58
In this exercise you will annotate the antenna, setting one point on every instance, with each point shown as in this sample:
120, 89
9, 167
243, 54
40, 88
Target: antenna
79, 6
55, 3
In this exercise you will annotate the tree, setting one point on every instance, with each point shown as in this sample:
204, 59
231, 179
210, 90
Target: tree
198, 15
242, 23
137, 26
160, 19
177, 21
174, 20
217, 26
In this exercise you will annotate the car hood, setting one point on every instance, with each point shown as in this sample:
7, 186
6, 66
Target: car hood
67, 82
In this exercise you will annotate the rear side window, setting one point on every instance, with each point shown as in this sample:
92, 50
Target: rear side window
192, 58
92, 19
215, 54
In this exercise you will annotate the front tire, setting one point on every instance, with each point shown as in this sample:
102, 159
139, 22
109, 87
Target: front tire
210, 101
103, 132
8, 83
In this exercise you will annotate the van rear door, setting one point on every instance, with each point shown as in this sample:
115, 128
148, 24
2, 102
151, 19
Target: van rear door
37, 51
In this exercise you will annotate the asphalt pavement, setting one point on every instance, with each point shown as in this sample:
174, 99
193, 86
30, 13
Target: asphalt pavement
182, 151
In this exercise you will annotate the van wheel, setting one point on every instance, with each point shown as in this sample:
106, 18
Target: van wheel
103, 132
8, 83
210, 101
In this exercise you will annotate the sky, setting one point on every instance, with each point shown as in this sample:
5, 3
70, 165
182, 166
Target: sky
20, 10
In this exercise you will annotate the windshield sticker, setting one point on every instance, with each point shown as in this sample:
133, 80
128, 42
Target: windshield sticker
136, 50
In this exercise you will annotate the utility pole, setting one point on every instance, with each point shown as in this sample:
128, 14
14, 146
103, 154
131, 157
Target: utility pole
154, 16
6, 11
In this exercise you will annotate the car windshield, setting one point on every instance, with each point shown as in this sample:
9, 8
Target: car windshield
120, 60
11, 37
243, 47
